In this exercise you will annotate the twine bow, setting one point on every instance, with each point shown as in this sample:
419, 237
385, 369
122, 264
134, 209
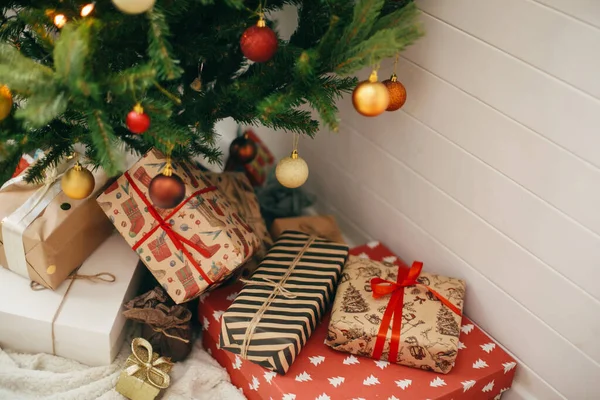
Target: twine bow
270, 282
143, 362
380, 287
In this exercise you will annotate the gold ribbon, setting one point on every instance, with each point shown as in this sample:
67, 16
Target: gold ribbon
164, 332
278, 288
146, 364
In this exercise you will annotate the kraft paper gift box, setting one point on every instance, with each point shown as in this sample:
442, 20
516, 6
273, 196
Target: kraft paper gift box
81, 320
45, 235
483, 370
284, 301
323, 225
189, 248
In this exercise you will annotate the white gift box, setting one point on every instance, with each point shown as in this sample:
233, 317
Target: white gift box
89, 327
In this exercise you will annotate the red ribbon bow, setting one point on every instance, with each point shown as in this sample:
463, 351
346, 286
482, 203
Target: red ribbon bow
380, 288
177, 240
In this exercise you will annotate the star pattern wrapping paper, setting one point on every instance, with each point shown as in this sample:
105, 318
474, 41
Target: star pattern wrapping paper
483, 370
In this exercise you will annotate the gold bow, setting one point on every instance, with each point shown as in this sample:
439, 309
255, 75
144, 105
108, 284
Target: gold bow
142, 358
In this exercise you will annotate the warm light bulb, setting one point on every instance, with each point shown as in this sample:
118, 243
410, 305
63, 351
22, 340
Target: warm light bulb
60, 20
87, 9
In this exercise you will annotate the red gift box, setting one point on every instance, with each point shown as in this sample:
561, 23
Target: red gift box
482, 371
258, 169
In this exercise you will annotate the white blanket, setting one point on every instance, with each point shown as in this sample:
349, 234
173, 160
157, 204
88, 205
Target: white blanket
42, 376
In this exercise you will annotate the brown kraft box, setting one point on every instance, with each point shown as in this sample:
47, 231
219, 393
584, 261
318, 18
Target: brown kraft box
324, 226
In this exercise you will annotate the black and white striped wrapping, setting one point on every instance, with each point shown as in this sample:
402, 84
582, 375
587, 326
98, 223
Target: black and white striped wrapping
288, 322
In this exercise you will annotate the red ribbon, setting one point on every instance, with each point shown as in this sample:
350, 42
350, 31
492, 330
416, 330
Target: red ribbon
380, 288
177, 240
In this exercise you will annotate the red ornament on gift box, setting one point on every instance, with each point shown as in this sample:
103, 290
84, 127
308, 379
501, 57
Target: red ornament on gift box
138, 121
259, 42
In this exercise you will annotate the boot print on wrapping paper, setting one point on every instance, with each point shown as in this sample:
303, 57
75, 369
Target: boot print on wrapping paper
141, 175
211, 250
199, 204
132, 211
159, 248
186, 277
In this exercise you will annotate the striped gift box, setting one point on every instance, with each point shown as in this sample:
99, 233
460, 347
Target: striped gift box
281, 305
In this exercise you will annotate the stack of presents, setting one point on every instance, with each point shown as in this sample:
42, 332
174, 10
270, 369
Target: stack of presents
291, 312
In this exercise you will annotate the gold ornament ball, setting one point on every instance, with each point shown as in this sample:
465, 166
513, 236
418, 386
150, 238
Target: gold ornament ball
292, 171
134, 6
370, 98
397, 93
6, 102
78, 183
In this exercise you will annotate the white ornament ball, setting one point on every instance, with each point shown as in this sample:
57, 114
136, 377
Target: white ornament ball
134, 6
292, 171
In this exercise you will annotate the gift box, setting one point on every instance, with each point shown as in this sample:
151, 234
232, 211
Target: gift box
483, 370
324, 226
81, 320
258, 169
286, 298
239, 191
189, 248
146, 373
397, 314
45, 235
167, 327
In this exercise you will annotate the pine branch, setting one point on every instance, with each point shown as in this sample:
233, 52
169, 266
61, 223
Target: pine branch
42, 108
104, 141
160, 49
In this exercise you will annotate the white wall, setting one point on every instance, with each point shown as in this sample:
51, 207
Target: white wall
491, 172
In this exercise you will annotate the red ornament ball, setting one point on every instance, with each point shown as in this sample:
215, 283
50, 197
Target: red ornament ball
243, 149
259, 43
166, 191
138, 121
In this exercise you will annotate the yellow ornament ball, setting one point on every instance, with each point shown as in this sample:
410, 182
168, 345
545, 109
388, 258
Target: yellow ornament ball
292, 171
371, 98
6, 102
134, 6
78, 182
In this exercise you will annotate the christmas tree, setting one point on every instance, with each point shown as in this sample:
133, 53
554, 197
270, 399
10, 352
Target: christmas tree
446, 324
73, 72
353, 301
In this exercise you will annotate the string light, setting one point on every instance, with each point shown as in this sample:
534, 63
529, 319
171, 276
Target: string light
87, 9
60, 20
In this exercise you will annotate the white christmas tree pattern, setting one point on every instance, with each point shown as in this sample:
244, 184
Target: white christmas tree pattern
373, 244
393, 398
255, 384
205, 323
358, 398
437, 382
479, 364
217, 315
363, 255
232, 296
316, 360
509, 366
382, 363
466, 329
468, 385
336, 381
303, 377
323, 396
351, 360
203, 297
461, 345
371, 380
237, 364
488, 387
403, 383
488, 347
390, 259
269, 375
288, 396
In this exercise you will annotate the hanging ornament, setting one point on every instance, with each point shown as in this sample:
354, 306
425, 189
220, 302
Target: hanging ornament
243, 149
6, 102
134, 6
167, 189
196, 84
78, 182
396, 90
138, 121
259, 42
292, 171
370, 98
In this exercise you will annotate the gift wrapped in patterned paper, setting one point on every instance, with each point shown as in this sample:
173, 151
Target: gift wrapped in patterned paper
397, 314
239, 191
258, 169
189, 248
276, 312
